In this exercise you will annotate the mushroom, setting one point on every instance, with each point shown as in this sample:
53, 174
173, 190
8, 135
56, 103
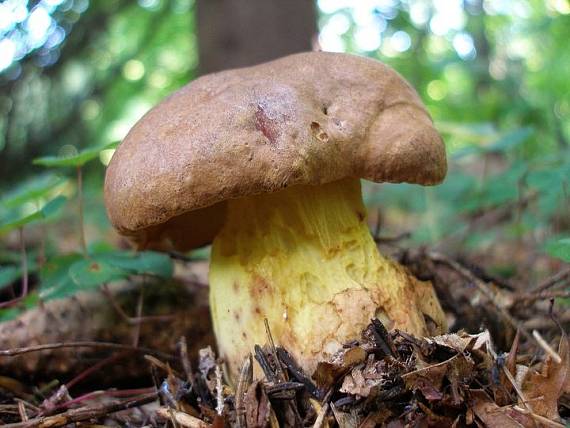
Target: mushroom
266, 162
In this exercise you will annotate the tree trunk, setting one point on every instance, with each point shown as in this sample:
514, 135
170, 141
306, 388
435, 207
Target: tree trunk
237, 33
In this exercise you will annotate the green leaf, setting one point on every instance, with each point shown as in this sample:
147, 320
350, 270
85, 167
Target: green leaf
87, 273
76, 160
32, 190
503, 144
16, 218
55, 282
510, 140
145, 262
559, 249
53, 207
474, 132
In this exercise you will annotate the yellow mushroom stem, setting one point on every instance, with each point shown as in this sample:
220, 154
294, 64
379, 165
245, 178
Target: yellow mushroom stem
304, 259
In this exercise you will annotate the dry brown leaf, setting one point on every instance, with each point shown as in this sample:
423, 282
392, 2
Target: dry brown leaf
461, 341
544, 389
181, 418
433, 374
327, 373
491, 414
355, 384
453, 341
353, 356
458, 370
459, 374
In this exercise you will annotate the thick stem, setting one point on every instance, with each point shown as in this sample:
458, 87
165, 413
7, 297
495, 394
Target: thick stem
304, 259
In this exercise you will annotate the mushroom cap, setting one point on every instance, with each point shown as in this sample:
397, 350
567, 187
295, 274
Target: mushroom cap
309, 118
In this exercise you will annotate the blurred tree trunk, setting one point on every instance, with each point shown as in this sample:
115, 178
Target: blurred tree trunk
236, 33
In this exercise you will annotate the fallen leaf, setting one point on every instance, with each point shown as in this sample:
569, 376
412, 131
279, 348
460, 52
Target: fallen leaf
453, 341
460, 374
327, 373
490, 413
543, 390
355, 384
433, 374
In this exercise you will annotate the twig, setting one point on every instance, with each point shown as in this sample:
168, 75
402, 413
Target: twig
81, 376
22, 411
82, 344
245, 379
553, 280
184, 419
265, 366
172, 417
82, 240
542, 295
139, 311
382, 338
483, 288
284, 387
155, 362
516, 387
219, 391
541, 419
546, 347
297, 373
128, 319
94, 394
540, 323
186, 366
280, 374
321, 416
82, 414
27, 404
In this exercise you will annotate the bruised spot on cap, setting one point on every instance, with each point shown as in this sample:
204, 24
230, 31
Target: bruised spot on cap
266, 125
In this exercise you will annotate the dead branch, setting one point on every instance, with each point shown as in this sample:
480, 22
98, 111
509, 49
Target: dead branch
83, 413
87, 344
552, 281
483, 289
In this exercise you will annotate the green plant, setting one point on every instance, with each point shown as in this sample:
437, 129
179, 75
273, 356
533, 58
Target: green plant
40, 201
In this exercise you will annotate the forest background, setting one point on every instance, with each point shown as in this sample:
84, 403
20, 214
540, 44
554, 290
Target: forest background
76, 75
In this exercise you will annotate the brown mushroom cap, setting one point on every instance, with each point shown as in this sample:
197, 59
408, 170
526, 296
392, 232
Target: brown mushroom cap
308, 118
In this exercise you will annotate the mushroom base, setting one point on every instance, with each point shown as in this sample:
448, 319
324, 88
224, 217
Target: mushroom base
304, 259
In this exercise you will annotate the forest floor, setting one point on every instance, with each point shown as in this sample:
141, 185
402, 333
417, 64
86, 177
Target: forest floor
84, 361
